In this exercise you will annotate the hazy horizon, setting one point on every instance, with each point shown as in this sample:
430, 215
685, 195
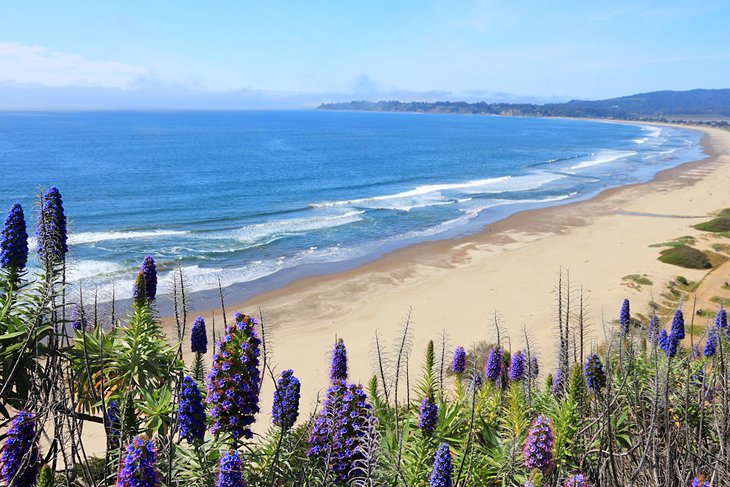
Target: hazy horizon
91, 55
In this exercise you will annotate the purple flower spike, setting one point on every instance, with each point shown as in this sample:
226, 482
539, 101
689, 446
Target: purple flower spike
442, 469
700, 482
113, 419
19, 457
51, 229
494, 364
459, 363
138, 467
670, 342
230, 473
711, 343
594, 373
14, 242
517, 366
149, 270
538, 450
559, 382
198, 336
625, 317
677, 330
191, 413
428, 416
338, 369
721, 319
338, 430
234, 380
285, 410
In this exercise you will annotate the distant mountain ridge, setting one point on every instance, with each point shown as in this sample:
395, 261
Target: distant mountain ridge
699, 104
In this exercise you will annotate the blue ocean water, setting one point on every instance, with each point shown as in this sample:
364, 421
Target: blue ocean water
266, 196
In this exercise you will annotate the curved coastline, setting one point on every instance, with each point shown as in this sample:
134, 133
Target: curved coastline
283, 282
460, 286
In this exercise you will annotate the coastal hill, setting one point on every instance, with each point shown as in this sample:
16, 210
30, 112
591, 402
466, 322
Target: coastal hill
695, 105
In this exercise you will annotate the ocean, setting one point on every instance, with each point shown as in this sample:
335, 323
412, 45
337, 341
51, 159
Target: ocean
255, 199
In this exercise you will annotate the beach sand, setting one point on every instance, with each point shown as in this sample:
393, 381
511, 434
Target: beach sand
511, 269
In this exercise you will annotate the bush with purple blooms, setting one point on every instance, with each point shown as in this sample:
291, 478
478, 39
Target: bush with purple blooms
235, 379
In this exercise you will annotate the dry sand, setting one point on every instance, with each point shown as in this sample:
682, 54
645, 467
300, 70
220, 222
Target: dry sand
510, 268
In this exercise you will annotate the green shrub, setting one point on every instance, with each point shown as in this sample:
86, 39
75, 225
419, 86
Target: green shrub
717, 225
688, 257
640, 279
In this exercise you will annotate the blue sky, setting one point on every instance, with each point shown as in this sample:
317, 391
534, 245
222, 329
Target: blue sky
304, 51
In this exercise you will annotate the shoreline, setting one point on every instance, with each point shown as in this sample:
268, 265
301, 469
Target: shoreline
509, 223
248, 291
457, 286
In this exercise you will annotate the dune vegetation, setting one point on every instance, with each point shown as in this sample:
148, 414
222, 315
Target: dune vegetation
647, 406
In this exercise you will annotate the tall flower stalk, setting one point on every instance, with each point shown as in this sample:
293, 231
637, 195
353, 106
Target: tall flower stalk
285, 409
199, 346
441, 476
14, 243
191, 412
51, 228
235, 379
538, 451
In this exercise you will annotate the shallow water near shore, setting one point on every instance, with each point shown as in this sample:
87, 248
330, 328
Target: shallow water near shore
257, 199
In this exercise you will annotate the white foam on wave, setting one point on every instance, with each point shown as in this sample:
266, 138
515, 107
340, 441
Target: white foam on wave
604, 157
641, 141
94, 237
272, 230
93, 270
433, 194
653, 131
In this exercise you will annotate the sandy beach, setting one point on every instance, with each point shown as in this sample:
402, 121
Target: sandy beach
510, 268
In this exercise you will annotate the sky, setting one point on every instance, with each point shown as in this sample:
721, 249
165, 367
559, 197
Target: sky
239, 54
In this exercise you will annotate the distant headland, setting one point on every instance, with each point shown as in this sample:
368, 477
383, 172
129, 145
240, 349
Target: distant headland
700, 106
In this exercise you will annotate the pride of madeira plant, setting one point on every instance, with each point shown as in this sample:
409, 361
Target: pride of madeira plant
639, 409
